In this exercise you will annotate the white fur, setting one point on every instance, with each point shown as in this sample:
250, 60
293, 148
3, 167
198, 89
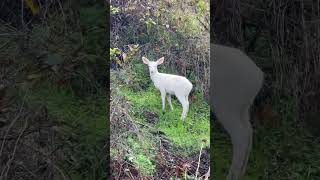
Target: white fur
235, 81
170, 84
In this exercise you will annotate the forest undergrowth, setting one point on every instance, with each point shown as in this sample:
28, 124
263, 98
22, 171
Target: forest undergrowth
155, 133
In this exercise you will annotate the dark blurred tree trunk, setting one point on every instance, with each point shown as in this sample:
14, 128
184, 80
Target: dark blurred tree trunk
227, 24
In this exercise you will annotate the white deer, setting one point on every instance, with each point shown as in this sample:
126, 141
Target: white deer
170, 84
235, 81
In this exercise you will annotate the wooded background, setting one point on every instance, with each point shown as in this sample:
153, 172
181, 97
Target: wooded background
283, 38
53, 76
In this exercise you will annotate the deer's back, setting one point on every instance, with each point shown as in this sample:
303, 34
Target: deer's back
174, 84
234, 76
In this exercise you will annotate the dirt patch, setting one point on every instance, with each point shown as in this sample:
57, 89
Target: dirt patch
151, 117
124, 170
168, 164
171, 164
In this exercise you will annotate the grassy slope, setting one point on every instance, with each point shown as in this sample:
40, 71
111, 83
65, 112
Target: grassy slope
189, 135
133, 82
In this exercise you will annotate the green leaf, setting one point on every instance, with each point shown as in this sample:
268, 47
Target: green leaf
202, 5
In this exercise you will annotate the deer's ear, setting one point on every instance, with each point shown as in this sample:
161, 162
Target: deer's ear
160, 61
145, 60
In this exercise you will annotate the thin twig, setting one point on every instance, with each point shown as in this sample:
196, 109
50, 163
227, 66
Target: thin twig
207, 175
22, 13
10, 126
14, 151
63, 15
199, 160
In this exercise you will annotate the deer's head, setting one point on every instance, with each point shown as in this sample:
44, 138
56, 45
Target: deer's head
153, 65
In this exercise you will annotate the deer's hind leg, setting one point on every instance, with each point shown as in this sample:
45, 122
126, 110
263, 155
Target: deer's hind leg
245, 118
185, 106
230, 118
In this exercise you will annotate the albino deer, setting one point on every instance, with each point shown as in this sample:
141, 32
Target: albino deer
171, 84
235, 81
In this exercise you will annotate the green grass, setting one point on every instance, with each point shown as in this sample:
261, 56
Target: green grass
188, 135
85, 128
142, 155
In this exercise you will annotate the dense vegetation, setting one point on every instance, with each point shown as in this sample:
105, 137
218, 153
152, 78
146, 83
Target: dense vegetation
145, 141
52, 90
54, 70
282, 37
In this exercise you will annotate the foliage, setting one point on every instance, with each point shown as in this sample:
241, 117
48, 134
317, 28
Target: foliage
85, 125
114, 53
142, 160
114, 10
160, 28
57, 58
170, 30
128, 142
33, 6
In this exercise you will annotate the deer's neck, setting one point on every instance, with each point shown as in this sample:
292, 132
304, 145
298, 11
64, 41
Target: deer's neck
154, 76
157, 79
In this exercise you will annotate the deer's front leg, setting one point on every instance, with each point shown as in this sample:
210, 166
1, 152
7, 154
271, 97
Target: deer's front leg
163, 98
